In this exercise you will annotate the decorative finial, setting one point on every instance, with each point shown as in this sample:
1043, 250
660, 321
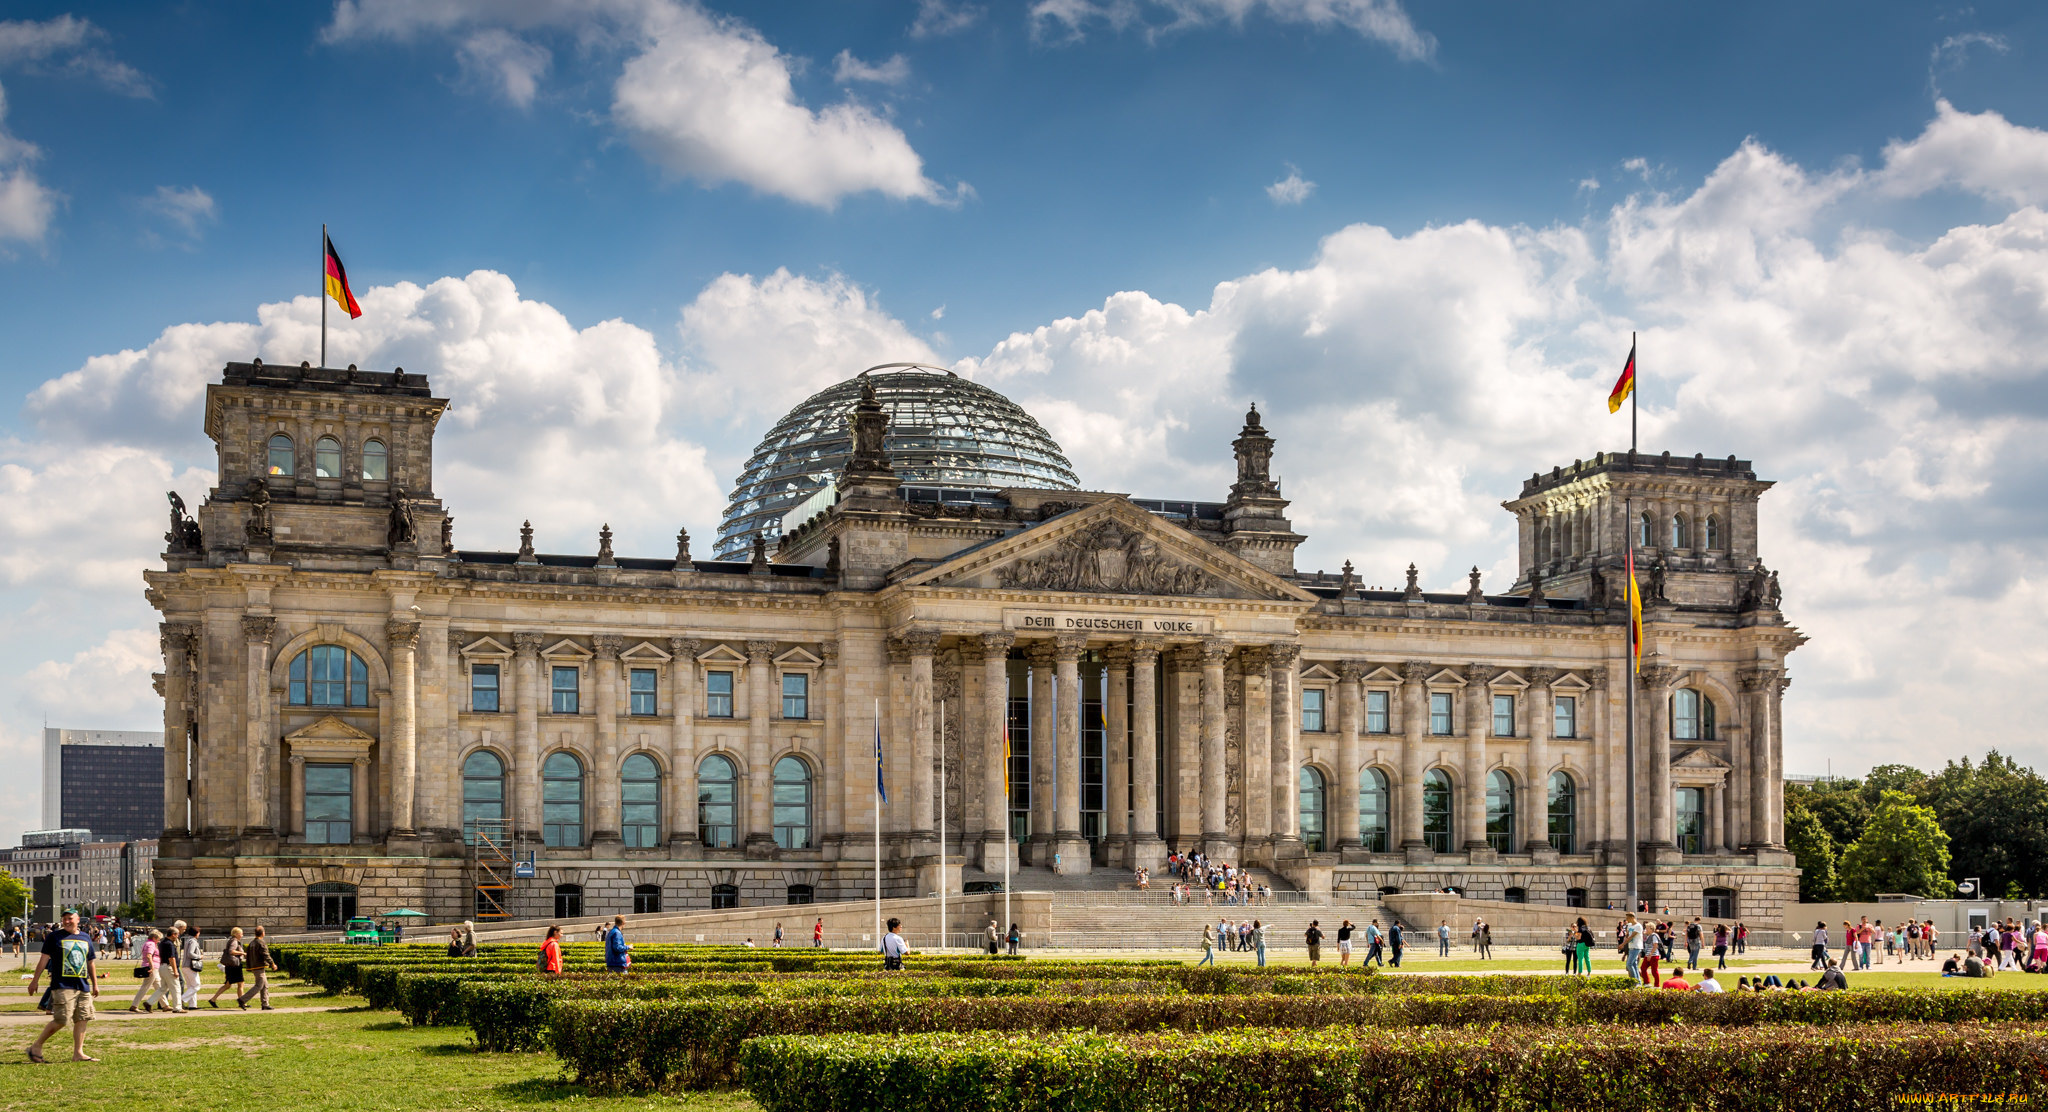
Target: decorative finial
682, 550
604, 543
1347, 586
526, 540
1472, 593
759, 564
1414, 590
448, 536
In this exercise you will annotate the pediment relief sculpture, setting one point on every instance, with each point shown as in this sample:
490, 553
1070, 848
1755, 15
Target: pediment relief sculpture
1112, 558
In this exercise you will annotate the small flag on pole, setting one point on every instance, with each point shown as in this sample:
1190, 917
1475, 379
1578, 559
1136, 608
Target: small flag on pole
1635, 616
880, 789
337, 284
1625, 385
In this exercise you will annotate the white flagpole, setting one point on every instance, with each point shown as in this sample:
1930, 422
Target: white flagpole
944, 922
323, 295
878, 823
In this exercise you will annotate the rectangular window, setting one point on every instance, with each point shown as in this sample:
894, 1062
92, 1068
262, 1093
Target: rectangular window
796, 695
566, 689
1376, 717
483, 688
1565, 717
329, 802
641, 693
1503, 716
1312, 710
1440, 713
718, 694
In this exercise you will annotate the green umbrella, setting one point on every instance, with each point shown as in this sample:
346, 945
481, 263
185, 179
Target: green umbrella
402, 913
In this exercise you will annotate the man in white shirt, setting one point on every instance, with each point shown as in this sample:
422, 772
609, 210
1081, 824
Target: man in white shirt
894, 947
1708, 983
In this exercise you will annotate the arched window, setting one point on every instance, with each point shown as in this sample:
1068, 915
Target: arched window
792, 803
1646, 531
483, 796
724, 896
1516, 895
799, 893
640, 802
376, 462
1543, 543
1311, 809
1692, 715
568, 901
647, 899
561, 801
1714, 531
328, 676
1564, 813
1500, 811
717, 792
1681, 537
1436, 810
1372, 810
327, 458
1689, 812
330, 904
281, 461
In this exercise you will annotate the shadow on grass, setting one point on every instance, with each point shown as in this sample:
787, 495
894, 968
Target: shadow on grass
389, 1025
540, 1090
447, 1049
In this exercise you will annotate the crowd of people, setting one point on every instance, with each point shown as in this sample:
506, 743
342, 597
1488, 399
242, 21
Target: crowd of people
1195, 872
1645, 944
1864, 941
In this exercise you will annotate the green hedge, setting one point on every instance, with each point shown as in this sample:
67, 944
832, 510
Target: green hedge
684, 1044
1615, 1069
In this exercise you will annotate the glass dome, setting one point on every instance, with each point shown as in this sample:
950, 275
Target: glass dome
943, 431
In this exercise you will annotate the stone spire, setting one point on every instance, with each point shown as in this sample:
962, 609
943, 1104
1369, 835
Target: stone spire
1255, 524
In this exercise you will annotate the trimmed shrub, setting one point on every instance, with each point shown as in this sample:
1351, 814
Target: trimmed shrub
1842, 1069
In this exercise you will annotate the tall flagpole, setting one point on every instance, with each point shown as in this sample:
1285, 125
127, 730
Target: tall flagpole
323, 295
1629, 735
943, 921
878, 823
1009, 842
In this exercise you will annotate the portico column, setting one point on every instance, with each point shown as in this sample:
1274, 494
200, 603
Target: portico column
1608, 747
404, 637
1040, 655
1536, 787
1657, 679
298, 797
1757, 685
760, 678
1714, 795
995, 717
1414, 724
682, 748
1286, 763
526, 734
922, 643
1070, 848
1117, 752
359, 793
256, 631
828, 710
181, 643
1478, 715
1146, 846
605, 675
1343, 824
1775, 751
1215, 838
1257, 734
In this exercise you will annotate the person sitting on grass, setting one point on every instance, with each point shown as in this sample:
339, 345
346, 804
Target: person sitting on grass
1832, 980
1742, 984
1973, 966
1708, 983
1676, 982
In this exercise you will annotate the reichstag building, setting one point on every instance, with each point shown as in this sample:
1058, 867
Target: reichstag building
363, 716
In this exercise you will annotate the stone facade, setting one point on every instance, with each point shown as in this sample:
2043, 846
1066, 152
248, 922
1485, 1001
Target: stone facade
360, 699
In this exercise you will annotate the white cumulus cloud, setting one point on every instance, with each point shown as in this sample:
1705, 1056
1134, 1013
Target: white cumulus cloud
1290, 190
847, 69
497, 59
1382, 21
939, 18
68, 45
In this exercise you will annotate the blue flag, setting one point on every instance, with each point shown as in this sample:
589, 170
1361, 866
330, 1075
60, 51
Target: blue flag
879, 788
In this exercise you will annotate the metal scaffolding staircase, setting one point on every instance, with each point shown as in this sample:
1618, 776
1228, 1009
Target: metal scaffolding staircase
492, 856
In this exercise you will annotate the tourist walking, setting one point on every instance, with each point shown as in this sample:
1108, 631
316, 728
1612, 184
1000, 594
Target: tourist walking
1632, 945
551, 950
1343, 943
994, 936
1571, 949
1741, 939
1208, 948
231, 958
1259, 939
818, 935
1820, 945
1015, 937
777, 940
1585, 946
1486, 941
1314, 937
1692, 943
618, 957
192, 955
150, 993
1396, 942
1375, 946
72, 961
1720, 945
894, 947
1443, 939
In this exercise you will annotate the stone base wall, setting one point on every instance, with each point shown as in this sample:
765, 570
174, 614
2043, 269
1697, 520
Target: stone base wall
1762, 891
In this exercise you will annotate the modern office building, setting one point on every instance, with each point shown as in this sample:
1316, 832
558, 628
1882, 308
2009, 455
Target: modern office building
110, 782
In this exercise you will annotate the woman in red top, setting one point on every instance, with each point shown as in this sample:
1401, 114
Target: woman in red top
551, 951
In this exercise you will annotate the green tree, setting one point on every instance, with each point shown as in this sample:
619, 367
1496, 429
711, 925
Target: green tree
13, 895
1903, 849
1813, 849
143, 909
1838, 805
1894, 778
1993, 815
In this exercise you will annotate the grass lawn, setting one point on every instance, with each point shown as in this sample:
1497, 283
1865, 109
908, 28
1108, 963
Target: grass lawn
287, 1061
1932, 978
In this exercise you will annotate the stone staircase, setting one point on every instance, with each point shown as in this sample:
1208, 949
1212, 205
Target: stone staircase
1104, 910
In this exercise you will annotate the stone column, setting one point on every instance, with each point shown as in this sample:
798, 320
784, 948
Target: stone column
760, 841
1215, 837
181, 654
1069, 846
1116, 714
1713, 798
1184, 695
1257, 739
403, 637
1042, 749
923, 823
1414, 735
832, 699
995, 779
1605, 790
1147, 848
1776, 810
1478, 719
1286, 763
1536, 779
1760, 686
526, 734
682, 743
605, 678
359, 793
256, 632
298, 797
1657, 680
1343, 820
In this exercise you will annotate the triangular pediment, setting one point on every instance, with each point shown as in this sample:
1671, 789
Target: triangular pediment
327, 730
1111, 547
1319, 673
1382, 674
1447, 678
486, 646
1699, 759
1570, 681
646, 653
721, 654
799, 657
566, 649
1509, 678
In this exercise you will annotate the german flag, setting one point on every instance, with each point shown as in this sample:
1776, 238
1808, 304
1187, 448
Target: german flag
337, 282
1623, 386
1635, 615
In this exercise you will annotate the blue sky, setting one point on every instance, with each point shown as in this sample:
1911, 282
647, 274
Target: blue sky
637, 230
